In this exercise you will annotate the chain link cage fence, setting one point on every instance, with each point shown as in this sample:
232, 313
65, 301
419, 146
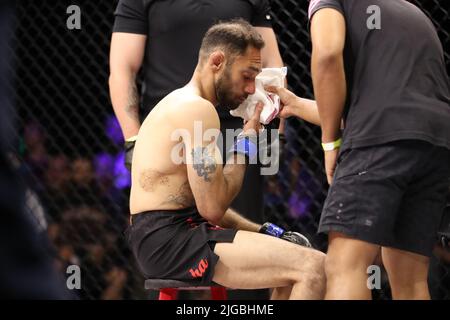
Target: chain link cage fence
69, 147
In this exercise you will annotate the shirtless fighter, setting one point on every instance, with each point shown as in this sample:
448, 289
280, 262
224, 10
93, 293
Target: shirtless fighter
181, 226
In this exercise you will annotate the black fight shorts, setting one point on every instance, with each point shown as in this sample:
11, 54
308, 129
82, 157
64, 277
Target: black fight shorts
392, 195
176, 245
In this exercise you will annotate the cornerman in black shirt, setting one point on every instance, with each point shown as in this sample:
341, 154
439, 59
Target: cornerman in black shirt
379, 65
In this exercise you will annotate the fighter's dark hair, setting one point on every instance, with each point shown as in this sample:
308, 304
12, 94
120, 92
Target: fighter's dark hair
233, 37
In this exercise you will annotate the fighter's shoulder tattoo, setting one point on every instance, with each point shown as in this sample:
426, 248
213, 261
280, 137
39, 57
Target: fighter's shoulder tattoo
204, 162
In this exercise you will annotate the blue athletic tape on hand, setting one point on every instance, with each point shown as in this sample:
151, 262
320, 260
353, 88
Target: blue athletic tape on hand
244, 145
273, 230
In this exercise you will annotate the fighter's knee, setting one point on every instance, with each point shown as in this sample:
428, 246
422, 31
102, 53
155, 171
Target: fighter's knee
315, 269
318, 259
316, 279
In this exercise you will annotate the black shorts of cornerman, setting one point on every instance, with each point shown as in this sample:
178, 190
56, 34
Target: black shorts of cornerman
392, 195
176, 245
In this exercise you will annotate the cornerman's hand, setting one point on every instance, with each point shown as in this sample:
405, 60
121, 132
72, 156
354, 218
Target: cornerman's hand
289, 100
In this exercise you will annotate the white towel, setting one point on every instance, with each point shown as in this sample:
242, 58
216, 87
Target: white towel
267, 77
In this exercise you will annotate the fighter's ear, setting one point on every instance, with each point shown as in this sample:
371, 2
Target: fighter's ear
217, 60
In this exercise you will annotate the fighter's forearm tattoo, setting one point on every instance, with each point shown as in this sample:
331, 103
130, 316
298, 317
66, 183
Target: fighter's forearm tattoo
132, 106
204, 162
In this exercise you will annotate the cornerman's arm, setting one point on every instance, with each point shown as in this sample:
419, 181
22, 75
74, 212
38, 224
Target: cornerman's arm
294, 106
126, 56
327, 68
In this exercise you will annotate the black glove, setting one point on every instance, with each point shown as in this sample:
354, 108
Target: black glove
129, 148
291, 236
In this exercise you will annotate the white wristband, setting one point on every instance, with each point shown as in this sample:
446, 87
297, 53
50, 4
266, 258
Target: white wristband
330, 146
